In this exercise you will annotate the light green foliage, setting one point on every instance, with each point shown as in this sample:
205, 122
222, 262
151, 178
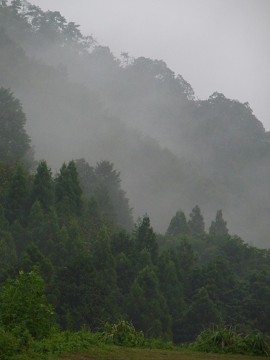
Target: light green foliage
23, 304
224, 339
8, 344
122, 333
258, 344
66, 342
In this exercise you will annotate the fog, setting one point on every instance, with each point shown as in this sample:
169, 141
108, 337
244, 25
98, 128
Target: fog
215, 45
173, 151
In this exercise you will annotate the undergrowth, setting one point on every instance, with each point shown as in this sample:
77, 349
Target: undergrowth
224, 339
19, 345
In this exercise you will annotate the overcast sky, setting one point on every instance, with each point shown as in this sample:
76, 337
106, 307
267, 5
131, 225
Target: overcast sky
216, 45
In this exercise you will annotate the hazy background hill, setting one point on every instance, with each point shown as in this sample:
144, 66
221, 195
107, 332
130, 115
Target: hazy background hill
173, 150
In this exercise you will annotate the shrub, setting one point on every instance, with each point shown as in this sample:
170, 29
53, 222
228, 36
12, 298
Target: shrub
122, 333
66, 342
24, 305
258, 344
9, 344
224, 339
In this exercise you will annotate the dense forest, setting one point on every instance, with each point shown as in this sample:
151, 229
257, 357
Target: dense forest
122, 138
172, 149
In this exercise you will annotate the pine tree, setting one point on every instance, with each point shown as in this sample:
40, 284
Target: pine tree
147, 307
178, 225
219, 226
14, 141
17, 197
8, 255
109, 179
170, 286
145, 238
68, 191
43, 187
36, 220
196, 221
201, 313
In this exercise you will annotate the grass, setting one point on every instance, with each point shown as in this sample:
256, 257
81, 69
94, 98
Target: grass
122, 353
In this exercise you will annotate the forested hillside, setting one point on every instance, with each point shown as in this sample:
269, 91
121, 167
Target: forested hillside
87, 143
76, 229
172, 149
71, 227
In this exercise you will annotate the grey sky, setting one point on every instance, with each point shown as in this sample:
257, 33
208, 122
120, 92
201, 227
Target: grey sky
216, 45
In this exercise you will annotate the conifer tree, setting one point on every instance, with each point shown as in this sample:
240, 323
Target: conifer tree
147, 306
201, 313
68, 191
196, 221
219, 226
109, 179
8, 255
43, 187
17, 197
178, 225
170, 286
14, 141
145, 238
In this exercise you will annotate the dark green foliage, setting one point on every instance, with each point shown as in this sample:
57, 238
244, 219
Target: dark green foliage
43, 187
6, 173
8, 255
196, 221
104, 184
170, 285
258, 292
178, 225
147, 307
97, 273
33, 258
108, 179
70, 226
145, 238
17, 196
199, 315
68, 191
219, 226
14, 141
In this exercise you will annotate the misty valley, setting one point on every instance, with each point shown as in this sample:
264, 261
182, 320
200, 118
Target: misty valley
132, 213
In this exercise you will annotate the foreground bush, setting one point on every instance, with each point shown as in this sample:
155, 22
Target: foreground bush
227, 340
66, 342
23, 305
122, 333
